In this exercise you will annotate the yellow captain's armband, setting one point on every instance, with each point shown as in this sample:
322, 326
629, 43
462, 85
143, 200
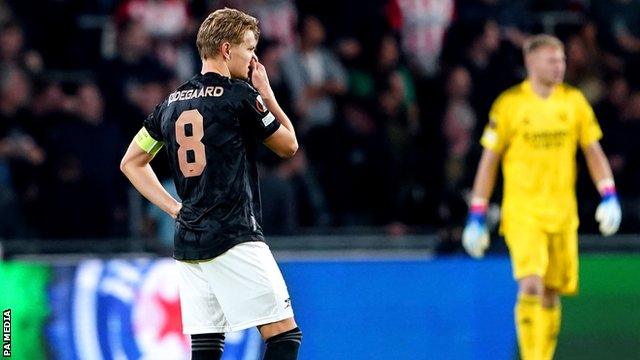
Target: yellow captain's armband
147, 143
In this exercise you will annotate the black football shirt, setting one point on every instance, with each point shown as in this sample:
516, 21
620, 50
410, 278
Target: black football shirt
211, 127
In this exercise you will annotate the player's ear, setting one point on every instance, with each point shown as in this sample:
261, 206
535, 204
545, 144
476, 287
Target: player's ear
527, 61
226, 50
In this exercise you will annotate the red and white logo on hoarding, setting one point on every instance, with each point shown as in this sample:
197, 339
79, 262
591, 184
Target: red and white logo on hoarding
156, 315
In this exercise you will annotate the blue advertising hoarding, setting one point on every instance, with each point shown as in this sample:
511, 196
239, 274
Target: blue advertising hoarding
446, 308
451, 308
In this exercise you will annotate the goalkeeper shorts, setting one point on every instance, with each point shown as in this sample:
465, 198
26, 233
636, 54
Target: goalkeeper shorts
552, 256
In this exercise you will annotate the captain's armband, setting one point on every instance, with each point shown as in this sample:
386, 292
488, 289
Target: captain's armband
148, 143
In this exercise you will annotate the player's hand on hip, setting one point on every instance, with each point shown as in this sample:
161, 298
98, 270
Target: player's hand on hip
475, 237
175, 211
259, 78
608, 213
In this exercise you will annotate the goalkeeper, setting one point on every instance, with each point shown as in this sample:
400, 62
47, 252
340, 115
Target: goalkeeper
535, 128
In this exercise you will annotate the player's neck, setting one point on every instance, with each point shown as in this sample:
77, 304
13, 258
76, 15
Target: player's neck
216, 66
540, 88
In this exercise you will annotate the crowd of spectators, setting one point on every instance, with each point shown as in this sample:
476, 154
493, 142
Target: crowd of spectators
389, 98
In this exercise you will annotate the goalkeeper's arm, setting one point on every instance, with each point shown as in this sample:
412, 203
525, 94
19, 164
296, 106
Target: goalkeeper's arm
475, 237
608, 213
485, 175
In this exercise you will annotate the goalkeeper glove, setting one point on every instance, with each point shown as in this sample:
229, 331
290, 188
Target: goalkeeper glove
475, 237
608, 213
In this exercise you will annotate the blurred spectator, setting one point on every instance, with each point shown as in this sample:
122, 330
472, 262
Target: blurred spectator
583, 71
628, 152
19, 154
133, 61
473, 11
167, 22
613, 113
387, 145
359, 71
278, 19
83, 196
609, 63
314, 77
609, 109
514, 16
13, 52
361, 194
617, 21
459, 120
290, 195
458, 125
180, 58
47, 107
619, 34
6, 13
619, 115
15, 90
160, 18
271, 54
397, 116
423, 24
488, 76
280, 210
392, 73
142, 96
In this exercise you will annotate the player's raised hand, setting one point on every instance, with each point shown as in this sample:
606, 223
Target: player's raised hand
259, 78
608, 213
475, 237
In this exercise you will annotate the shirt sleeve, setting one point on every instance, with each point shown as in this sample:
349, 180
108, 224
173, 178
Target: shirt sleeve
152, 124
261, 120
495, 136
588, 129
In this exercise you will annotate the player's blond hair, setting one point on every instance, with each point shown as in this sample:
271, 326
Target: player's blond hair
541, 40
221, 26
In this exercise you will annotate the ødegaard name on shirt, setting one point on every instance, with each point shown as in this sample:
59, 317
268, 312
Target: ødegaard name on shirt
215, 91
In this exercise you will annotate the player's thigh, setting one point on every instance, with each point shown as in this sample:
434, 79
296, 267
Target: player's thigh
249, 286
528, 250
201, 312
562, 272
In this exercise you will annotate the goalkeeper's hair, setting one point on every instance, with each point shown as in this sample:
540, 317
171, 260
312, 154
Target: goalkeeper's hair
541, 40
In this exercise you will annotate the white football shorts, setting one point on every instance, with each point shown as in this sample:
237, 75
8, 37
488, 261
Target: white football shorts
239, 289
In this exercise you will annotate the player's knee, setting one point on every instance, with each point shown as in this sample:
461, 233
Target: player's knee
278, 327
531, 285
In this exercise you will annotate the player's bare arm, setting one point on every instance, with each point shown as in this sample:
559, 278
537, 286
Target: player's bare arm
136, 166
597, 163
609, 213
475, 237
283, 142
486, 175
